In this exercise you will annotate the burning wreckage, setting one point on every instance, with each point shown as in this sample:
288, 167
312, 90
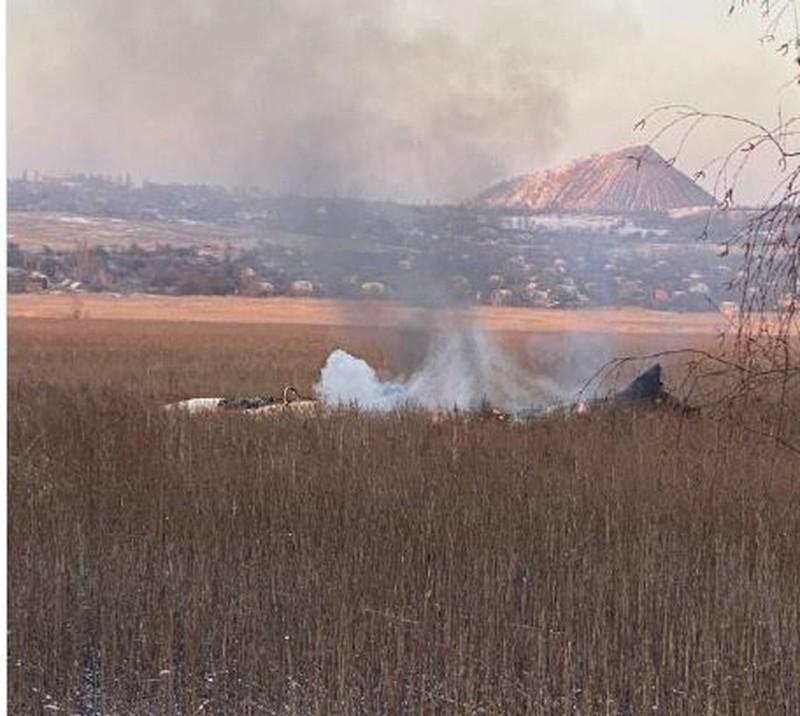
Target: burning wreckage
350, 383
645, 391
292, 403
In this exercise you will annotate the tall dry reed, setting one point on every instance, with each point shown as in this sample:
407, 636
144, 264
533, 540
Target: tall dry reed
623, 563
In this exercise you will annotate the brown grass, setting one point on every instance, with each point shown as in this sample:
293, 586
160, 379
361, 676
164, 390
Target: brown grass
622, 564
325, 312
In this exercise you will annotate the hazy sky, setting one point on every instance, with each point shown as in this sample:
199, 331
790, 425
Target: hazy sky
406, 99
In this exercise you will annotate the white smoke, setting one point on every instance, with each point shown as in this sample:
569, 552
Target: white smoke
463, 370
349, 381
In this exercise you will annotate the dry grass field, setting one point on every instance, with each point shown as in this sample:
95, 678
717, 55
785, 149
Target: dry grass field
322, 312
623, 563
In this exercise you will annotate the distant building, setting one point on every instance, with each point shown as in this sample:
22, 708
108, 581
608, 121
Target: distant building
21, 281
536, 296
302, 288
373, 288
729, 309
501, 297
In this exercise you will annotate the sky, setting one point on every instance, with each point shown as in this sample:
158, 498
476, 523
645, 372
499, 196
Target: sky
384, 99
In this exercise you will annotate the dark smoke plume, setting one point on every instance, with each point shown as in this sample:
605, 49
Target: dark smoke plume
369, 98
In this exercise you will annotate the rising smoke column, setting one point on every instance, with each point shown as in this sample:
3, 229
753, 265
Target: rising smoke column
464, 370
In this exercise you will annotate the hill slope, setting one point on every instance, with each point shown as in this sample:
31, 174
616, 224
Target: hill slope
632, 179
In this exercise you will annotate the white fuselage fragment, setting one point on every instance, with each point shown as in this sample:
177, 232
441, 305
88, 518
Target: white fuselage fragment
197, 406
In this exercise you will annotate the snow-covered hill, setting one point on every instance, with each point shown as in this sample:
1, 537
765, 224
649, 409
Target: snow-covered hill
632, 179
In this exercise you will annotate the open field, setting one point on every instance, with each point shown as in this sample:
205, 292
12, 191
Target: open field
32, 231
321, 312
624, 563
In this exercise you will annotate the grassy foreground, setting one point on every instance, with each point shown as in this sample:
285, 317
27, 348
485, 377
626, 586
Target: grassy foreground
617, 564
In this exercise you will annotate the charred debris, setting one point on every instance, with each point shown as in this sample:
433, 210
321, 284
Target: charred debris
645, 392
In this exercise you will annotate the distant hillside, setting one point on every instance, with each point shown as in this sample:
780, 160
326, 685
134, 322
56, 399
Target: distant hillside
632, 179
